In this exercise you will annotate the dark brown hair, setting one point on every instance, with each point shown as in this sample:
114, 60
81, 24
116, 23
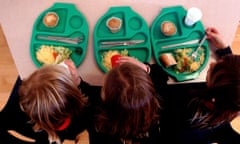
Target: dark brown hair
224, 88
129, 100
49, 96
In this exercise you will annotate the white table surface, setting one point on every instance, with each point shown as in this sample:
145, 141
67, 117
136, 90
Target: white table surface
17, 18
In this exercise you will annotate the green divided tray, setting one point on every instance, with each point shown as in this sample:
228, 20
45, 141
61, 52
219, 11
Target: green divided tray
71, 24
176, 14
134, 27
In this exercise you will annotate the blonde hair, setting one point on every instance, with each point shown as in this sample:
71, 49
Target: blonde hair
49, 96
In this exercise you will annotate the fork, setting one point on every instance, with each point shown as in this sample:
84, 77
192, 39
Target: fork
194, 54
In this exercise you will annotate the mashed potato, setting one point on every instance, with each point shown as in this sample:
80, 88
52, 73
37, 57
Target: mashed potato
52, 54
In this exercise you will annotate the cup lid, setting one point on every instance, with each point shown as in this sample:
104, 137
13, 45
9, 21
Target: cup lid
195, 13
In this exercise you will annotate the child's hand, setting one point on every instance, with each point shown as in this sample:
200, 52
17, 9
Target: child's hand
73, 70
215, 37
132, 60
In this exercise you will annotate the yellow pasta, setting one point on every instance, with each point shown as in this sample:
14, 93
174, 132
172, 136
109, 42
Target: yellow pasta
45, 54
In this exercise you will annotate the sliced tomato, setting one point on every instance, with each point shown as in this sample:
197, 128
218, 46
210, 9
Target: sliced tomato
55, 54
185, 62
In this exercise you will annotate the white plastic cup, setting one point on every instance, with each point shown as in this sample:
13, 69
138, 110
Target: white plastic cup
193, 15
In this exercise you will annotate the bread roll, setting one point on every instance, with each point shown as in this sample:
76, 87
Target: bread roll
50, 19
168, 60
168, 28
114, 24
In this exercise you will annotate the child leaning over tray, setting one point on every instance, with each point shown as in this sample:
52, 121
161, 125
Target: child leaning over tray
216, 112
128, 107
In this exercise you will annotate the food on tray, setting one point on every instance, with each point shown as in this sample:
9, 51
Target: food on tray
168, 59
168, 28
185, 63
52, 54
107, 56
114, 24
50, 19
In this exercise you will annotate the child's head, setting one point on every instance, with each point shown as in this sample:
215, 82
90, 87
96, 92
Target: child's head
129, 100
223, 94
224, 83
50, 98
225, 71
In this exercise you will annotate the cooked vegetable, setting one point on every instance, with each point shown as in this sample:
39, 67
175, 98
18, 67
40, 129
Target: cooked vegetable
52, 54
184, 61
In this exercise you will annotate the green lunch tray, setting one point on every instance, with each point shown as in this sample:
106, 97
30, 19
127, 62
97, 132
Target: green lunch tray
134, 27
71, 24
176, 14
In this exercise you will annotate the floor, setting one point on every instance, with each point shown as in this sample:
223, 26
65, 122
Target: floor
8, 72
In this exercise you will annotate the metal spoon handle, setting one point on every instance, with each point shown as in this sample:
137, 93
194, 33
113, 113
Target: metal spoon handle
202, 41
194, 54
